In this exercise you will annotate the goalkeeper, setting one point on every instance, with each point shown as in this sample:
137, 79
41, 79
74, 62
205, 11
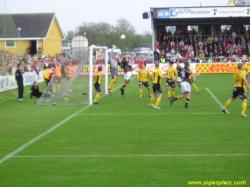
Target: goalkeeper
113, 70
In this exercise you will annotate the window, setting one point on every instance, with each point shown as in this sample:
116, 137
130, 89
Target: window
10, 43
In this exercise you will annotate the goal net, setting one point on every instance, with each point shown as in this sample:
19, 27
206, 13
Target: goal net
75, 86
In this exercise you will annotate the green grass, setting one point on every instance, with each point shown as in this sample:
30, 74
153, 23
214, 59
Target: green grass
124, 142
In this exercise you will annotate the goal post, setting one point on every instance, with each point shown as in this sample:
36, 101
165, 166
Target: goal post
78, 88
92, 48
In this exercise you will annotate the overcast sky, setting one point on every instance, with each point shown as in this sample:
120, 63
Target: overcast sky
72, 13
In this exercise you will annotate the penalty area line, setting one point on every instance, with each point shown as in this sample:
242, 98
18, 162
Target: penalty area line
12, 154
94, 156
119, 114
215, 98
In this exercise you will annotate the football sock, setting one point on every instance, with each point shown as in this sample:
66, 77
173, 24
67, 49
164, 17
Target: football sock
152, 100
96, 98
158, 102
149, 92
196, 87
187, 101
244, 107
173, 93
140, 92
169, 94
123, 87
112, 84
54, 87
58, 86
227, 104
177, 98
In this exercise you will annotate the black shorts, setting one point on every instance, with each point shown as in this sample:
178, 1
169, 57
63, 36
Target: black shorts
144, 83
113, 72
170, 83
57, 79
97, 87
239, 92
191, 81
156, 88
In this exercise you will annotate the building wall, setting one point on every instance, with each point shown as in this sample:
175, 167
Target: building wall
23, 46
40, 47
53, 43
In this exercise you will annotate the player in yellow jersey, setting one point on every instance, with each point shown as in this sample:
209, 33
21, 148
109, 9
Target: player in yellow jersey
192, 81
97, 84
156, 84
246, 69
239, 91
171, 80
142, 77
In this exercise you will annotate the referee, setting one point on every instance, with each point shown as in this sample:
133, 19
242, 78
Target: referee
113, 70
19, 80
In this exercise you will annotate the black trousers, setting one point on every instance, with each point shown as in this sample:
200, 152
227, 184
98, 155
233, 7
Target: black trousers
47, 84
20, 89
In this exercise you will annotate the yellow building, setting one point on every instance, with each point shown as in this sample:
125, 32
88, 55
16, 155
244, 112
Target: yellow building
40, 33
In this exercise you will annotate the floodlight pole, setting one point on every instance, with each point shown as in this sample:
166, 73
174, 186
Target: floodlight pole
19, 30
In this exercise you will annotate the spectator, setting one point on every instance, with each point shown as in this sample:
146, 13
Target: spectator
162, 59
209, 60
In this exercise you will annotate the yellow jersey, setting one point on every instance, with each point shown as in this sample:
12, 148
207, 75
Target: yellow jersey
98, 77
143, 75
246, 68
238, 79
172, 72
156, 76
191, 72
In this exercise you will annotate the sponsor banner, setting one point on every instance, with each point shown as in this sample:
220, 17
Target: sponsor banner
163, 13
120, 71
8, 82
217, 68
203, 12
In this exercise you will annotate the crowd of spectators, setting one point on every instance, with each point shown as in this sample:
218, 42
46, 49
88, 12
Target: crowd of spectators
9, 61
227, 46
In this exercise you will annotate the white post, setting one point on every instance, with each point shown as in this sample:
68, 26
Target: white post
106, 70
91, 76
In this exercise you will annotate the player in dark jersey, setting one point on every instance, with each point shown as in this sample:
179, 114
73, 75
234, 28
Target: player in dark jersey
185, 86
128, 74
239, 91
179, 69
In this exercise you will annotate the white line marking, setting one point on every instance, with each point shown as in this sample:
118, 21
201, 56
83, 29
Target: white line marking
119, 114
215, 98
45, 133
93, 156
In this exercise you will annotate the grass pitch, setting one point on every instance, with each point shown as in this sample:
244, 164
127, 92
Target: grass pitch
124, 141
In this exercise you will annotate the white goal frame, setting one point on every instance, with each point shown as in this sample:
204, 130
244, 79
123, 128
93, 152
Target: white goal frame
105, 48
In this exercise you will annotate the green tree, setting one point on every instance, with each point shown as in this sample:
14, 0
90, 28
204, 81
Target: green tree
104, 34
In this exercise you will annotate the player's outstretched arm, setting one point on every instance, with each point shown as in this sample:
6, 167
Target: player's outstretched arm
195, 75
245, 80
